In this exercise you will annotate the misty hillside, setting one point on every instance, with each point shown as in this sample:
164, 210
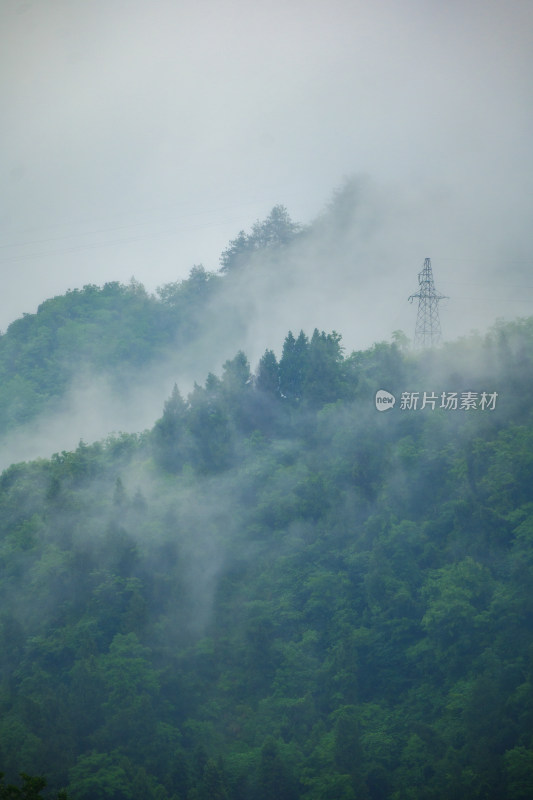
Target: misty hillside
280, 592
98, 359
123, 333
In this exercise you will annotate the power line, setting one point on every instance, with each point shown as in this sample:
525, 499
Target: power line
112, 242
115, 228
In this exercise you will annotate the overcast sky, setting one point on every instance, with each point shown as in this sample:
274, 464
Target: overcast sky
139, 137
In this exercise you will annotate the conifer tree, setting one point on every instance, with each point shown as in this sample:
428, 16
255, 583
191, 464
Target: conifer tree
267, 379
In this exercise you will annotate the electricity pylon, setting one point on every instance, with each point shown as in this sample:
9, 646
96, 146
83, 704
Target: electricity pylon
427, 330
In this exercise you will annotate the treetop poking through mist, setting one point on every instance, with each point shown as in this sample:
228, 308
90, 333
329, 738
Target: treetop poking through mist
276, 230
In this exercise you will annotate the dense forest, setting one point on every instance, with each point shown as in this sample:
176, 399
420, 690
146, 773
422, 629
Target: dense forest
277, 592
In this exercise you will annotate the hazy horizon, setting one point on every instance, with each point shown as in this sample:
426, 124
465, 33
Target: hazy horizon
140, 138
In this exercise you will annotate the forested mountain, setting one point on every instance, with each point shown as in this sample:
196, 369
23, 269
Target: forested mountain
95, 350
280, 591
121, 330
115, 329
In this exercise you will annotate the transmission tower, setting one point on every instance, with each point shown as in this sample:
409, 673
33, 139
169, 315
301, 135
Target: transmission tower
427, 330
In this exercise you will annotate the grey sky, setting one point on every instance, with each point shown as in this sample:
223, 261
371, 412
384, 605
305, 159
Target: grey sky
139, 137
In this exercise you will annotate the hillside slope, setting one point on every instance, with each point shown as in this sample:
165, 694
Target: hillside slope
279, 591
126, 335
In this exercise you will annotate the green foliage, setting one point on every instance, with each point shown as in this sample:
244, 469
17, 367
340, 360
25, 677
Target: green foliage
519, 772
293, 366
274, 779
170, 435
277, 592
267, 379
110, 330
30, 790
276, 231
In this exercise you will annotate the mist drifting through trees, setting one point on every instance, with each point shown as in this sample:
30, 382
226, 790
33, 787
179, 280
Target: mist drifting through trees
273, 590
